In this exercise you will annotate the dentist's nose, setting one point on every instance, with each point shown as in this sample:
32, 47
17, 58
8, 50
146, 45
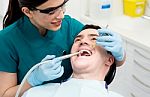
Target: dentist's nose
60, 15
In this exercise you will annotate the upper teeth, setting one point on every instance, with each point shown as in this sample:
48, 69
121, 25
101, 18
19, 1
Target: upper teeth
87, 51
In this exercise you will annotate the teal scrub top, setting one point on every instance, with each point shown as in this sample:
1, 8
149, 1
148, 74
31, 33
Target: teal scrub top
22, 46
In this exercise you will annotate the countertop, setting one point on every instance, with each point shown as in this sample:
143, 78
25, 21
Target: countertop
136, 30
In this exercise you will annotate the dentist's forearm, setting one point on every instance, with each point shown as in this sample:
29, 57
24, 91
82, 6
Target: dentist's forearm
11, 92
120, 63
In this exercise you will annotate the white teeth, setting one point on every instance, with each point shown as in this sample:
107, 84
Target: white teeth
81, 51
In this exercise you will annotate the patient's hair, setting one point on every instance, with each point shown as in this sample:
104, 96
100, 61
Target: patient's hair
112, 71
91, 26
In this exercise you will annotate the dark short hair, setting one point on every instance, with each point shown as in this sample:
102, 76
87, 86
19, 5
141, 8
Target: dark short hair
112, 71
91, 26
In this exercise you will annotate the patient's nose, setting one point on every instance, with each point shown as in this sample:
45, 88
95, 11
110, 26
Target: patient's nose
85, 41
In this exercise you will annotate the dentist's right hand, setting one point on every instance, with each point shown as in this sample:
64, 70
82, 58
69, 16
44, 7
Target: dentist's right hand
46, 72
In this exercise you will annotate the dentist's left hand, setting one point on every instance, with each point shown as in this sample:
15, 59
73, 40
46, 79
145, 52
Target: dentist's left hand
46, 72
112, 42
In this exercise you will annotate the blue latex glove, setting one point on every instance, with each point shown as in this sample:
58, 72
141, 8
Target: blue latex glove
47, 71
112, 42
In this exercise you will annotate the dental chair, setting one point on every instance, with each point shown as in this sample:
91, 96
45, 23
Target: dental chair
111, 74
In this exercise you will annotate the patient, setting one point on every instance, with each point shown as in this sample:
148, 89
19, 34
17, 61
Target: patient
89, 71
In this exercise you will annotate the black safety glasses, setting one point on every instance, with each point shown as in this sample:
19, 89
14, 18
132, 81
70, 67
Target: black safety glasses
51, 10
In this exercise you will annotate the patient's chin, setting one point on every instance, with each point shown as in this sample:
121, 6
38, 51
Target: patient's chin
80, 64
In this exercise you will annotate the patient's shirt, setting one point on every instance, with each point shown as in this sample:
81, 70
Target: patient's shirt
72, 88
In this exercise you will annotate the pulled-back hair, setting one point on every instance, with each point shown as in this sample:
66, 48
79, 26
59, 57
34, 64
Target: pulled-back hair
14, 10
112, 70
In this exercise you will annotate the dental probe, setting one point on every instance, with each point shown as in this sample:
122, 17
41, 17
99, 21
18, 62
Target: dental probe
69, 55
106, 26
37, 65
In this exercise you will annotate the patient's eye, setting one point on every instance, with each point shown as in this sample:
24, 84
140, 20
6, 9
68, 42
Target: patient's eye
94, 38
77, 40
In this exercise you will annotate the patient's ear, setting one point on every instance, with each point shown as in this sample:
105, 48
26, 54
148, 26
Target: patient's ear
110, 60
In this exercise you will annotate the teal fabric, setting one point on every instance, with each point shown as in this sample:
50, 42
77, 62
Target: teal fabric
22, 46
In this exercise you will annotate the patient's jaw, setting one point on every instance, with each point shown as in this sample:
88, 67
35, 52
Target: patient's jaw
90, 64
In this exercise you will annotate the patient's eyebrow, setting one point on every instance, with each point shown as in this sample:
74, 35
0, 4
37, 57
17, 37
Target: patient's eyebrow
78, 36
93, 35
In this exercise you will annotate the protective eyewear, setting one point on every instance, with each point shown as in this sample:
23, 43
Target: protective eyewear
52, 10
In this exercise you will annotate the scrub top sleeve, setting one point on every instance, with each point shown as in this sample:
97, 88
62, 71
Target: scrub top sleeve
8, 61
74, 25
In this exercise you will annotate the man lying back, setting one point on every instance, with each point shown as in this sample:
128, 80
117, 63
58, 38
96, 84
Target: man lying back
89, 70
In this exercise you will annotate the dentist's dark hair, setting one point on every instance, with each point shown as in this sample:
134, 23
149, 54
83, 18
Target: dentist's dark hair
14, 10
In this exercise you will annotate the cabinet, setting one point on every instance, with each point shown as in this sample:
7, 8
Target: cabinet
139, 70
133, 78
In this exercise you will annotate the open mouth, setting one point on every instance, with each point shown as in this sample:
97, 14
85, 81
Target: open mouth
85, 53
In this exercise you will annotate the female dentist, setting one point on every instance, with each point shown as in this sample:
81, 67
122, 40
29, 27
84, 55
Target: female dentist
32, 30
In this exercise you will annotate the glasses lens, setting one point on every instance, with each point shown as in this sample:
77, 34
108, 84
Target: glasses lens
58, 10
52, 10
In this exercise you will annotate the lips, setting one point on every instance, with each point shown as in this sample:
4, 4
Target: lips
56, 23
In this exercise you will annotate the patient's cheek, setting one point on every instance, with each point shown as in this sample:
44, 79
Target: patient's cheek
74, 48
93, 45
